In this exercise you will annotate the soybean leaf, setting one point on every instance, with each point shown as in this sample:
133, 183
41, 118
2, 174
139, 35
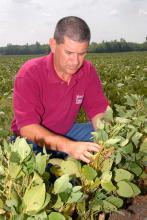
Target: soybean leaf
88, 172
128, 149
121, 174
135, 168
107, 164
118, 158
136, 190
124, 189
71, 167
22, 148
112, 141
118, 202
56, 216
62, 184
136, 138
108, 186
34, 199
109, 207
41, 161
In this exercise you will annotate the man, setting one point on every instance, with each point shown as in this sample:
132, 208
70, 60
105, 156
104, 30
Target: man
49, 91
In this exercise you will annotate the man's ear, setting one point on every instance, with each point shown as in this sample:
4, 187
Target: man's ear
52, 43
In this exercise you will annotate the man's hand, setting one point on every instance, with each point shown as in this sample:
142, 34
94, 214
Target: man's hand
83, 150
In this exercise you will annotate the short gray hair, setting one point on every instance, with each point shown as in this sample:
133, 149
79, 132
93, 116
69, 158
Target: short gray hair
73, 27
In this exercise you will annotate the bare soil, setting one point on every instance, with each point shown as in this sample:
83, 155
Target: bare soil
136, 211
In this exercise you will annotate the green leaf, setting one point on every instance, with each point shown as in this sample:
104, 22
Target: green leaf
56, 216
58, 204
124, 189
144, 160
124, 142
112, 141
129, 100
71, 167
106, 177
65, 195
74, 197
107, 164
122, 120
100, 196
47, 200
96, 206
80, 206
14, 157
7, 147
99, 124
14, 170
118, 158
22, 148
1, 203
76, 188
106, 182
121, 174
88, 172
136, 189
109, 207
101, 135
128, 149
135, 168
62, 184
136, 138
143, 146
95, 184
34, 199
108, 186
37, 179
109, 114
41, 161
115, 201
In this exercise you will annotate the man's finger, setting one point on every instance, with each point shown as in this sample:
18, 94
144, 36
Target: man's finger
88, 154
93, 148
84, 159
93, 144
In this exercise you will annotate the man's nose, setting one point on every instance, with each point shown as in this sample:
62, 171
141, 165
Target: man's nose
75, 59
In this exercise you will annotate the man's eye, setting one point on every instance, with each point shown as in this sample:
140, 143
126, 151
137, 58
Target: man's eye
68, 52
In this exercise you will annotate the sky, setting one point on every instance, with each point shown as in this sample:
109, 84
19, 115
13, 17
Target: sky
28, 21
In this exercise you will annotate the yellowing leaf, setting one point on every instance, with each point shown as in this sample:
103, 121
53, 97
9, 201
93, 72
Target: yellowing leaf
34, 199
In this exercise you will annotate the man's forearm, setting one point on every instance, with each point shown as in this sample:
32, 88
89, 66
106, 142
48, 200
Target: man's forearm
44, 137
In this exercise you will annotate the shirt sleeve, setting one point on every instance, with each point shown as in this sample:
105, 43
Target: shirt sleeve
94, 101
27, 100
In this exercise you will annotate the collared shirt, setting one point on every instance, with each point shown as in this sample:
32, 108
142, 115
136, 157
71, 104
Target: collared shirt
41, 97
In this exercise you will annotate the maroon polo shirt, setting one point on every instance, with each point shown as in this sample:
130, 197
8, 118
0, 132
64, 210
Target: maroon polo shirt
41, 97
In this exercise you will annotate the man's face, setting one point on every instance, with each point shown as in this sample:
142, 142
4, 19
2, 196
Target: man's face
68, 56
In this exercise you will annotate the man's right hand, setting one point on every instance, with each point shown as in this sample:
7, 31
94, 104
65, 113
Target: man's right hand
83, 150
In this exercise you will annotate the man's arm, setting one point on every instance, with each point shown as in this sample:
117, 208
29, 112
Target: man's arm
42, 136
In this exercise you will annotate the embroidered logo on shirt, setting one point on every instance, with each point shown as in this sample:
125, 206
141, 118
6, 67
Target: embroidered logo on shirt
79, 99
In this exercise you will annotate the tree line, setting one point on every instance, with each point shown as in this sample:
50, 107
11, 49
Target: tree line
103, 47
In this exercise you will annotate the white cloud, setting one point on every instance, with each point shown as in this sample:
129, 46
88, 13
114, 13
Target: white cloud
142, 12
23, 21
113, 12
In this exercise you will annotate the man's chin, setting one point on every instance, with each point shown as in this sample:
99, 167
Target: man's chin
72, 71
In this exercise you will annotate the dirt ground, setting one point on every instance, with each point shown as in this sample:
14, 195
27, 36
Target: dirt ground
137, 207
136, 211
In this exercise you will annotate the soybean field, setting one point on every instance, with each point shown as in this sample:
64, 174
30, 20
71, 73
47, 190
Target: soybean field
121, 74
